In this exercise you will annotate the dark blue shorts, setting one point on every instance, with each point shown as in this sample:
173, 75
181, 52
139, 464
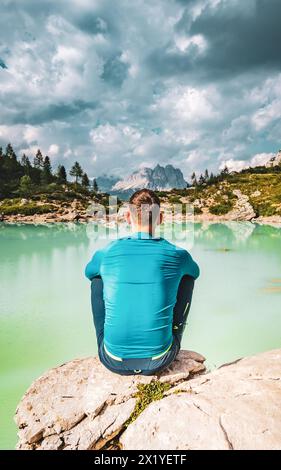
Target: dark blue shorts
147, 366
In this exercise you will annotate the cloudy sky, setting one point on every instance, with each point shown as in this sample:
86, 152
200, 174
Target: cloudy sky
124, 84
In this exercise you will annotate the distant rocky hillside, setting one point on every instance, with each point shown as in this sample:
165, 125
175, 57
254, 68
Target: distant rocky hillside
159, 178
251, 194
254, 194
238, 196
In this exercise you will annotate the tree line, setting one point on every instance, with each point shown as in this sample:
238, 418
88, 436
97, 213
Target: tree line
208, 178
23, 176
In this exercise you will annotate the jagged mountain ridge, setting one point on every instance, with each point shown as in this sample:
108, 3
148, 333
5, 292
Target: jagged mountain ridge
158, 178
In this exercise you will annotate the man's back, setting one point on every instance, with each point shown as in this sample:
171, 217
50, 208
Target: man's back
141, 276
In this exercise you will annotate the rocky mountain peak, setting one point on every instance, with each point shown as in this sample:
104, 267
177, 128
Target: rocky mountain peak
158, 178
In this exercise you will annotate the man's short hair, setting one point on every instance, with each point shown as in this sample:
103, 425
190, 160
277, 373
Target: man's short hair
145, 206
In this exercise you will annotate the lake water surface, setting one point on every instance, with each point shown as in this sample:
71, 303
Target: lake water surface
45, 316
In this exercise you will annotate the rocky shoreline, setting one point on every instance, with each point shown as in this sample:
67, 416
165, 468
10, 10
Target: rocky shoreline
75, 211
80, 405
81, 217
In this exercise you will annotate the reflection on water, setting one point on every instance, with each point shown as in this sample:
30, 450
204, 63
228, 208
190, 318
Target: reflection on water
45, 308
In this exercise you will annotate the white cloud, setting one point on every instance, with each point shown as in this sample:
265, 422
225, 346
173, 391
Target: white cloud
188, 104
261, 159
16, 134
53, 150
126, 146
67, 153
267, 100
9, 132
54, 94
31, 134
183, 42
114, 143
68, 55
234, 165
238, 165
266, 115
239, 129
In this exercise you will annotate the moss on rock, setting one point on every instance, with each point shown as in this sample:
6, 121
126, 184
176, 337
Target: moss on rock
146, 394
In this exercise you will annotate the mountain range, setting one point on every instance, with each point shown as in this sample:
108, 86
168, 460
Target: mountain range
161, 178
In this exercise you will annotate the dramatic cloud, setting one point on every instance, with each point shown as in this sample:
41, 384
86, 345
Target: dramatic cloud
119, 85
238, 165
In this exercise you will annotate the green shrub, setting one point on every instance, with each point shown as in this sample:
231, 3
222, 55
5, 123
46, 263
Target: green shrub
265, 210
197, 210
179, 192
56, 196
229, 194
221, 209
161, 193
175, 200
9, 202
26, 209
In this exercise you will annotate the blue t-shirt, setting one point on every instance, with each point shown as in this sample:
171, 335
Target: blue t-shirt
141, 275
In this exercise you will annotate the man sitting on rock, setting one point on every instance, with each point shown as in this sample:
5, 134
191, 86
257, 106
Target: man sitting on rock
141, 294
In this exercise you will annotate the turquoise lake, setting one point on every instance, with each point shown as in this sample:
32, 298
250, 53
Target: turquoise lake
45, 316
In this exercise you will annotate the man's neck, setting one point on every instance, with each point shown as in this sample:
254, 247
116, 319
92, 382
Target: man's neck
141, 229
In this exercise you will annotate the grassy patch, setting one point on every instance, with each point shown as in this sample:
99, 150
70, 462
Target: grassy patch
146, 394
265, 208
25, 209
222, 208
9, 202
175, 200
219, 198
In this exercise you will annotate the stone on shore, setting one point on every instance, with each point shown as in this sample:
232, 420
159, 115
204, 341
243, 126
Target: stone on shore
81, 405
242, 210
238, 406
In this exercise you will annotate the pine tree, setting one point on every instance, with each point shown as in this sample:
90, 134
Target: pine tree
76, 171
47, 171
25, 185
201, 180
61, 174
11, 169
95, 186
10, 152
206, 176
225, 171
85, 181
193, 179
25, 162
38, 161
